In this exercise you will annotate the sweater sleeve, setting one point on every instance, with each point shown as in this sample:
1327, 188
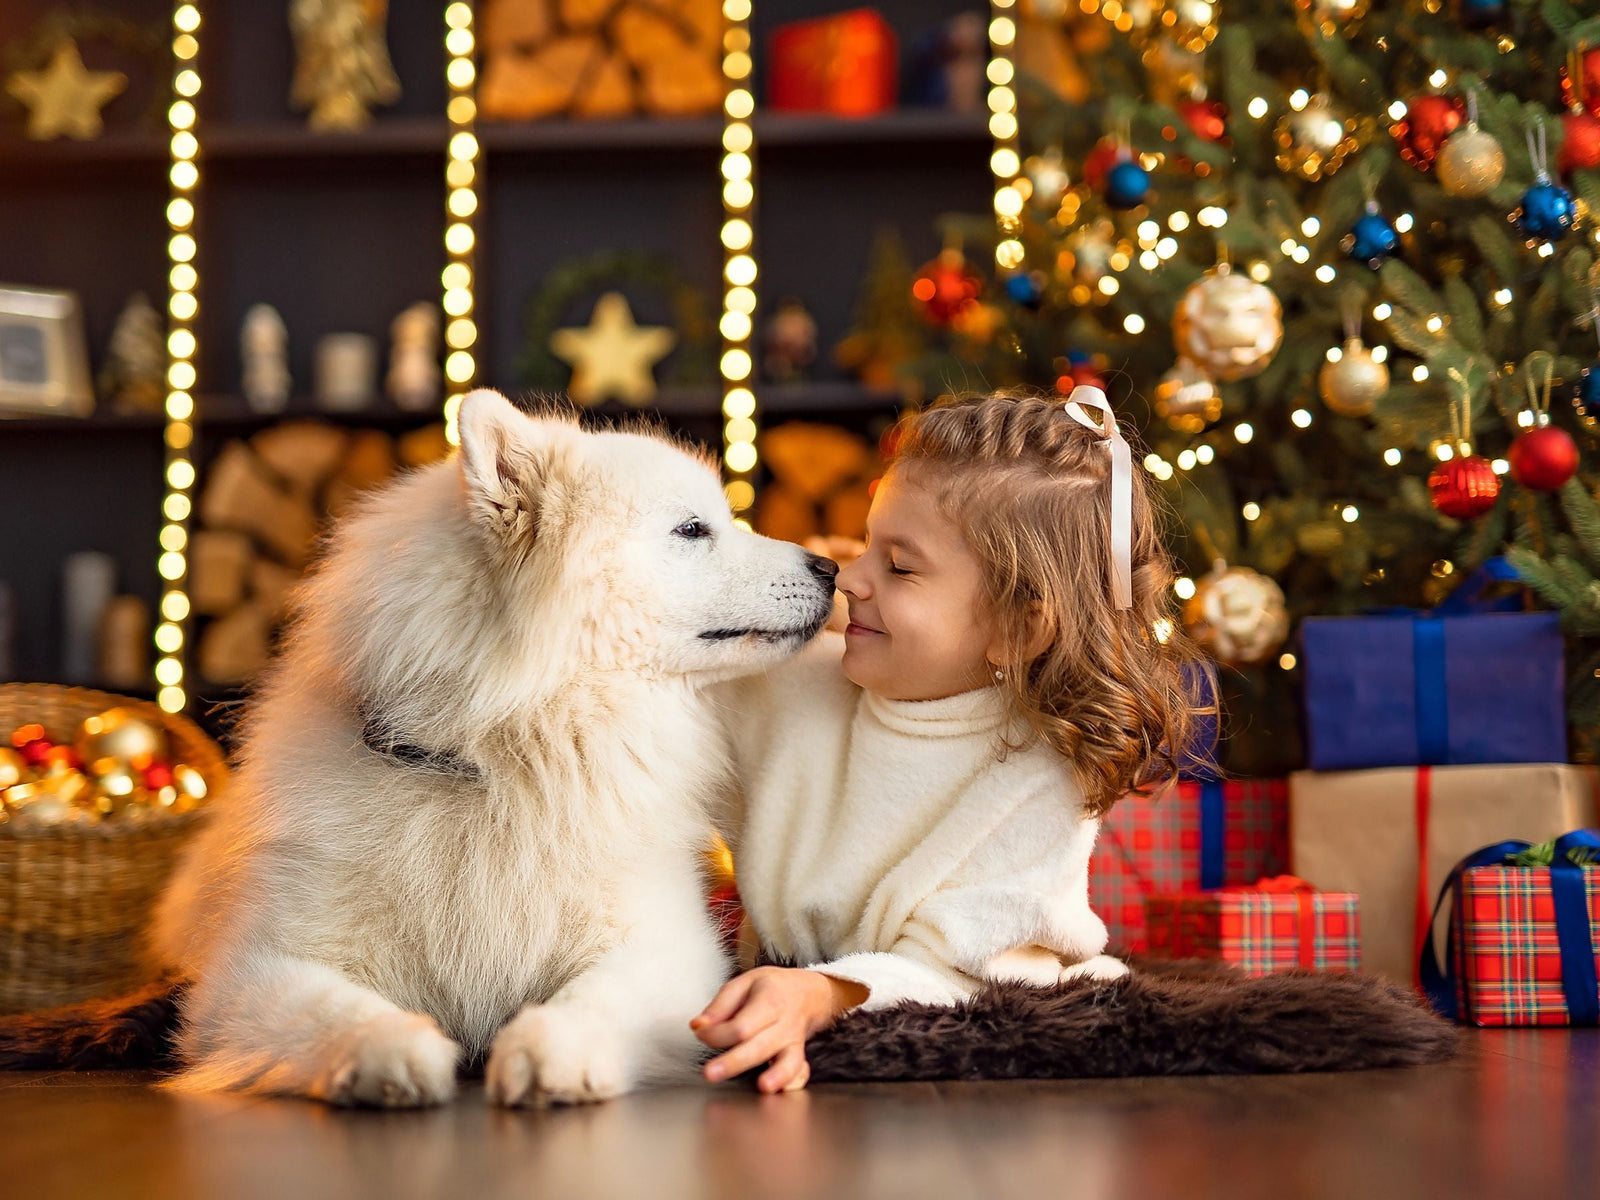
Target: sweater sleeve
1016, 909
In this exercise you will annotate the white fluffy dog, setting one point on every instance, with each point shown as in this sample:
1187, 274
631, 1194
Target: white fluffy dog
471, 793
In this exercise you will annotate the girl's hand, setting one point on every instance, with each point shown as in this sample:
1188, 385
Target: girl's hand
765, 1016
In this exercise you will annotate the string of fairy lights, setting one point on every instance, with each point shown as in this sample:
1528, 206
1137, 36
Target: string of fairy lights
1004, 161
463, 182
739, 454
183, 279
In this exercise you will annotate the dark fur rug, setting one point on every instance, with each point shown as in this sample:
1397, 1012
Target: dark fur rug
1164, 1019
118, 1033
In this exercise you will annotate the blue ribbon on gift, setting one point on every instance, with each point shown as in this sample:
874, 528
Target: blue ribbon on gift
1578, 981
1427, 652
1210, 833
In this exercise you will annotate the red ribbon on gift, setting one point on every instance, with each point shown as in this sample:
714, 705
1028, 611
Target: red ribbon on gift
1303, 893
1422, 921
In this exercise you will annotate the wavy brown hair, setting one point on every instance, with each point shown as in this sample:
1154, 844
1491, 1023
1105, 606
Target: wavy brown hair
1029, 488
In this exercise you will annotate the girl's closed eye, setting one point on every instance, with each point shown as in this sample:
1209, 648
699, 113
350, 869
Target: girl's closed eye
896, 569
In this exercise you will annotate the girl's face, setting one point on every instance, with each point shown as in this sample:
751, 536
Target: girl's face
919, 627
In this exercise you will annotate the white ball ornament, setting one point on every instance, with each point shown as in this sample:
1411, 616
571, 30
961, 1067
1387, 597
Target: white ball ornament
1237, 615
1353, 384
1228, 325
1471, 162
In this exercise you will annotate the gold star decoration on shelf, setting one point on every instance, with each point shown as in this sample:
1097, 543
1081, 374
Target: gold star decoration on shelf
612, 356
64, 99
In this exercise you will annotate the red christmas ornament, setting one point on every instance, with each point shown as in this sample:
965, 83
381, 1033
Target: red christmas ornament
157, 776
1464, 487
946, 287
1428, 121
1544, 458
1586, 95
1080, 375
1581, 149
1207, 118
1098, 162
37, 752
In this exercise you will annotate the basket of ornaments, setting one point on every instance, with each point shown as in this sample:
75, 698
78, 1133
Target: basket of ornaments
98, 796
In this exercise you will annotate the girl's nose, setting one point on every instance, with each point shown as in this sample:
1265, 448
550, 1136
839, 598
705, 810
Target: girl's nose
852, 581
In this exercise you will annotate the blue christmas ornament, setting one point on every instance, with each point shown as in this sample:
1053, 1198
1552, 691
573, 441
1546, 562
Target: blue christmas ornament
1127, 185
1588, 397
1026, 288
1548, 210
1372, 238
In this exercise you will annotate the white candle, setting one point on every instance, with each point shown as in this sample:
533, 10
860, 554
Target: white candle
88, 581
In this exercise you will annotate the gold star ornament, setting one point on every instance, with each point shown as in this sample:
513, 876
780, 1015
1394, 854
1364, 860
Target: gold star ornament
611, 356
64, 99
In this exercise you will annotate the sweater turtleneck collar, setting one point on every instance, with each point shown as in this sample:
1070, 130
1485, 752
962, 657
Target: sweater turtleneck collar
981, 710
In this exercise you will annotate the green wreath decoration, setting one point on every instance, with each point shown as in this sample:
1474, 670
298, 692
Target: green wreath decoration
34, 50
692, 364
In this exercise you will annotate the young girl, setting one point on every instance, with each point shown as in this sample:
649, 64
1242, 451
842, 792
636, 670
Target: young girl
919, 822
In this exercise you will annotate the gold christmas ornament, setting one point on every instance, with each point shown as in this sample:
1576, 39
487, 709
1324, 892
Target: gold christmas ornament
612, 356
1187, 398
1314, 142
1237, 615
120, 734
1228, 325
116, 770
1353, 384
190, 783
64, 99
1471, 162
43, 806
13, 768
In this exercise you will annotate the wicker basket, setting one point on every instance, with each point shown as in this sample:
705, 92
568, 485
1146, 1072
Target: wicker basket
75, 899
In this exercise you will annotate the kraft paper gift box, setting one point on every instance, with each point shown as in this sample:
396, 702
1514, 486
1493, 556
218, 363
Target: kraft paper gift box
1357, 831
1413, 688
1201, 834
1280, 924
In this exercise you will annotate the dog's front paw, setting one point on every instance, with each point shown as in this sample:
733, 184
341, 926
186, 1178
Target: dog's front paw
552, 1054
1102, 968
397, 1060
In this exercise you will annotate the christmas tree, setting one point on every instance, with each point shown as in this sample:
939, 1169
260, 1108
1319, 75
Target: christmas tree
1332, 258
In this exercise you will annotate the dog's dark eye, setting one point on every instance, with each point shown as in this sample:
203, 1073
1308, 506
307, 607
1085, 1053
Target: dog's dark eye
693, 529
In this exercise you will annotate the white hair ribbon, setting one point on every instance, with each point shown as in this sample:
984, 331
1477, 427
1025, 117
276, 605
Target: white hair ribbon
1104, 422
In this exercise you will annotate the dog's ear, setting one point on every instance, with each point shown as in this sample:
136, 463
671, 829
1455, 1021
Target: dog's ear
509, 462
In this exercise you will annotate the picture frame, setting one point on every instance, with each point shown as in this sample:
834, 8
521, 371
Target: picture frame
44, 355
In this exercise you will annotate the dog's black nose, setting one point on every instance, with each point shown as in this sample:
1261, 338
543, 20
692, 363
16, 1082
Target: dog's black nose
824, 569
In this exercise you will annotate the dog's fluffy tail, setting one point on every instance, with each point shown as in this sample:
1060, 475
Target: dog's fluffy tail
137, 1030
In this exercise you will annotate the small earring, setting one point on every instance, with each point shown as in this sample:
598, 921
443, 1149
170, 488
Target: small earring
999, 675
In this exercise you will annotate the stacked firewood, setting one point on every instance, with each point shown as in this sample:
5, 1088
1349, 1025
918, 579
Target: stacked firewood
600, 58
821, 482
264, 504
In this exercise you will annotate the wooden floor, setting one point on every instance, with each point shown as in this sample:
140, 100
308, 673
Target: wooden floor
1517, 1116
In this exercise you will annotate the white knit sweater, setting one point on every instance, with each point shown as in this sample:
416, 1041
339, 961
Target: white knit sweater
887, 842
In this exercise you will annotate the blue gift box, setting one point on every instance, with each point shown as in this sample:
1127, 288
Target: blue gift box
1414, 690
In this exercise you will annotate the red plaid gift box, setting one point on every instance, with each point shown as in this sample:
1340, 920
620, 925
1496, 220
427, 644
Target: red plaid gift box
1278, 925
1152, 847
1508, 957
